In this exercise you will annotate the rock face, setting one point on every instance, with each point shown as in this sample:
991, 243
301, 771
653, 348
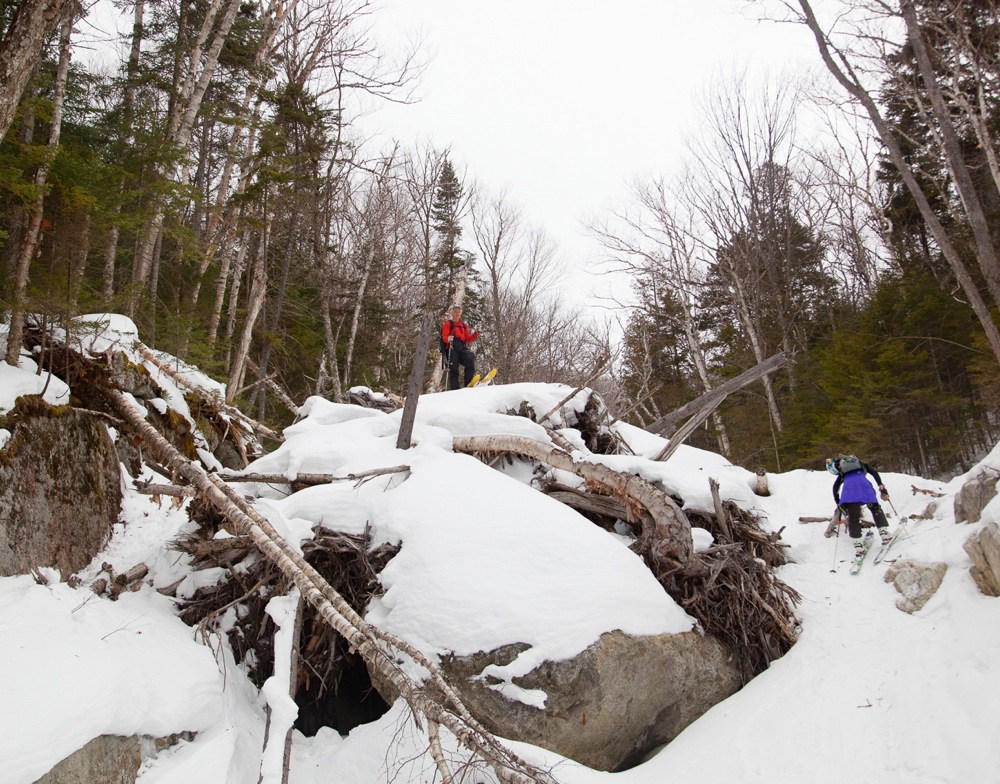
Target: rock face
60, 488
609, 706
983, 548
917, 581
108, 759
974, 495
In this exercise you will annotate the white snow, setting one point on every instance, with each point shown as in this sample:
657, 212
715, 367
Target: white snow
25, 380
868, 693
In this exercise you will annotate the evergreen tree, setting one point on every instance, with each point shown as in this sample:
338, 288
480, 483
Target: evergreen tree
449, 258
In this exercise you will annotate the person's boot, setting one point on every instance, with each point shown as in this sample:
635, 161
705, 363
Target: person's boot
886, 537
859, 554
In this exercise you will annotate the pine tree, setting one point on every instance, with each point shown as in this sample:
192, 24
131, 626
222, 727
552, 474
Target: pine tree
449, 259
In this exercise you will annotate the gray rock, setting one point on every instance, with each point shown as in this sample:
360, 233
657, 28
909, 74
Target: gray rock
60, 488
916, 581
107, 759
983, 548
611, 704
131, 378
974, 495
110, 759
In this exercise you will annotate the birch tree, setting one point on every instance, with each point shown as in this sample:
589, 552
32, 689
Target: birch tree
29, 243
198, 67
21, 49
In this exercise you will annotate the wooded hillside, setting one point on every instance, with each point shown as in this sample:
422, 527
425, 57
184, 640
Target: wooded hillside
214, 187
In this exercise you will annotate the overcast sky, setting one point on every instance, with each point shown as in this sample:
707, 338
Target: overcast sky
562, 102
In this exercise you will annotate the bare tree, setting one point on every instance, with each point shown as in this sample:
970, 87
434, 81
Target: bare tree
258, 292
521, 269
655, 245
846, 198
846, 66
373, 222
739, 179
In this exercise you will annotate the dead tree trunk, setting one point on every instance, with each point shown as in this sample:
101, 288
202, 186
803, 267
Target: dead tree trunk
255, 302
413, 388
150, 357
702, 407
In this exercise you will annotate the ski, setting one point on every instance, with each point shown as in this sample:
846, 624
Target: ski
478, 379
866, 545
885, 548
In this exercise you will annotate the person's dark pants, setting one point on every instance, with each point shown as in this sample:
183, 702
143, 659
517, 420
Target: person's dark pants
460, 355
854, 518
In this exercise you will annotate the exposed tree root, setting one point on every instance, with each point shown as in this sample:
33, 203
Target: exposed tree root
736, 596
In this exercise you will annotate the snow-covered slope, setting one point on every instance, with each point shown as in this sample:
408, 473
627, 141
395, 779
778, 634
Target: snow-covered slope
868, 693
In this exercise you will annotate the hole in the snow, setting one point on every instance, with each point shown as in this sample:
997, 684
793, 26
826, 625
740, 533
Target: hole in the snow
344, 702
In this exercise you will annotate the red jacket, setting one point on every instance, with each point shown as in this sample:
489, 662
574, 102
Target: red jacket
459, 330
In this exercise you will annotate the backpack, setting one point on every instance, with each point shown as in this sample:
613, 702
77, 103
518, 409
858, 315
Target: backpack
849, 463
442, 345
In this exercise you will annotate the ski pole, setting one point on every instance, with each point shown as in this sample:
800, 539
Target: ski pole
836, 541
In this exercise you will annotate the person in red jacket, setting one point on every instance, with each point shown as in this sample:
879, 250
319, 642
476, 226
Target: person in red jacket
456, 335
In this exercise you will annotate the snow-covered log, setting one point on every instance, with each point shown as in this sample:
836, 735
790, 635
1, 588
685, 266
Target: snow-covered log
665, 538
150, 357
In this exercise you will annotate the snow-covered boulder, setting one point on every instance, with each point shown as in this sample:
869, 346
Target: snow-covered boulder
983, 547
917, 581
975, 494
60, 488
606, 707
109, 759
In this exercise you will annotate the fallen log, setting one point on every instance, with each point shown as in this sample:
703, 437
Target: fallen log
275, 387
234, 412
701, 407
435, 699
588, 502
310, 479
665, 538
600, 371
175, 491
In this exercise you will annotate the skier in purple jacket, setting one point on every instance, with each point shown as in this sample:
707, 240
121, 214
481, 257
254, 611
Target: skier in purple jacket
852, 489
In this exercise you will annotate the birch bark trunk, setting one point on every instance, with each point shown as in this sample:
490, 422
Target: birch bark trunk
30, 242
20, 50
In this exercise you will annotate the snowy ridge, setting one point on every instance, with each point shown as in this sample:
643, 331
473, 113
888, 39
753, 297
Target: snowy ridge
868, 693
